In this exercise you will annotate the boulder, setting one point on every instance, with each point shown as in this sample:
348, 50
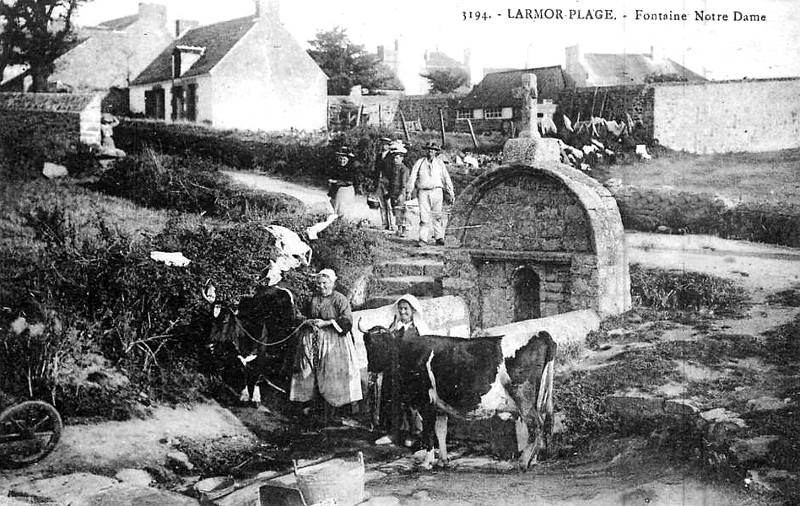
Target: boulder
53, 170
179, 461
752, 450
137, 477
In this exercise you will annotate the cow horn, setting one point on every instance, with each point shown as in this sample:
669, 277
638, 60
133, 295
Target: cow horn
209, 292
358, 324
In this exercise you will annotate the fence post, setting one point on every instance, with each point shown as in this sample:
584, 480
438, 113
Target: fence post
405, 127
441, 121
472, 133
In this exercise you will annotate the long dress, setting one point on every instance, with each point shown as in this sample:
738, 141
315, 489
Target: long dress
326, 358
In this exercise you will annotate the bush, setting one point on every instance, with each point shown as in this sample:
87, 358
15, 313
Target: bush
137, 328
682, 291
190, 185
296, 154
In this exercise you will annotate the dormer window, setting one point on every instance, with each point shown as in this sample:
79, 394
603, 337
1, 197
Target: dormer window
183, 57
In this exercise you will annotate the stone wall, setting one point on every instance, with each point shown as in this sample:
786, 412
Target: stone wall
40, 127
553, 225
670, 210
611, 102
426, 109
728, 116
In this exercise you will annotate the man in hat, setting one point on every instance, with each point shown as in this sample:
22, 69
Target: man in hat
430, 179
397, 173
381, 174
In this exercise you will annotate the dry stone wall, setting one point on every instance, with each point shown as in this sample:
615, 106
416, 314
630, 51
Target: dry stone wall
40, 127
728, 116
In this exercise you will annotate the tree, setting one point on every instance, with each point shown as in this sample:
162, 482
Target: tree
36, 32
347, 64
446, 80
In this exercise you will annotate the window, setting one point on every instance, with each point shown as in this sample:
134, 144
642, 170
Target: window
464, 114
493, 113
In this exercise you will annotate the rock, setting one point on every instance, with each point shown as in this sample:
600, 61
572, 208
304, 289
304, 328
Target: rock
421, 495
137, 477
74, 488
720, 424
752, 450
663, 229
382, 501
373, 476
765, 403
129, 495
359, 290
680, 407
179, 461
637, 406
52, 170
754, 481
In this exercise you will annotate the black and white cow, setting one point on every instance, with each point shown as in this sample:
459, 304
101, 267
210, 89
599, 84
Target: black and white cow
251, 340
443, 376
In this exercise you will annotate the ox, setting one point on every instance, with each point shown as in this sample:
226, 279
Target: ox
442, 375
250, 342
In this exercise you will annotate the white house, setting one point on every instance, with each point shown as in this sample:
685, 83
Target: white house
246, 73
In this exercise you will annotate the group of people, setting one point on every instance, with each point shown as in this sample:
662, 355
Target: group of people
328, 371
396, 187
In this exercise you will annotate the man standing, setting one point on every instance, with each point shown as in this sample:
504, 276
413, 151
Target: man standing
380, 172
430, 178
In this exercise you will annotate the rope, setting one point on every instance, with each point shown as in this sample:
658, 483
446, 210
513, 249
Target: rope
239, 324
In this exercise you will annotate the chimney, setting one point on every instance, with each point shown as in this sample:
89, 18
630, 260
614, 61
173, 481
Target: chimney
381, 53
153, 13
268, 9
655, 54
184, 25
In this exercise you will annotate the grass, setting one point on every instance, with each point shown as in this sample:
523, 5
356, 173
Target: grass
770, 177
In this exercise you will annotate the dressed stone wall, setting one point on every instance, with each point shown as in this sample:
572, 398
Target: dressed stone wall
550, 221
728, 116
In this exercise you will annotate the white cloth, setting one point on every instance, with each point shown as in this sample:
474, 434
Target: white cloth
174, 259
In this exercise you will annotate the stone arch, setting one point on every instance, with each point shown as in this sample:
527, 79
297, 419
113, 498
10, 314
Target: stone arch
550, 216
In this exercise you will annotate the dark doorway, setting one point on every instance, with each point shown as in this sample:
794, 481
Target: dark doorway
527, 304
154, 105
191, 102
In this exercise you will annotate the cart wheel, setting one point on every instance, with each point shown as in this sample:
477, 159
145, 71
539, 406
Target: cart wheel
28, 432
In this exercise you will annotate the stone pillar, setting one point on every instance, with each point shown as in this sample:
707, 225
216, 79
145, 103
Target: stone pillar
529, 94
530, 148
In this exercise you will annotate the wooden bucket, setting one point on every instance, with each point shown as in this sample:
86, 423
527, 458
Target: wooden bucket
336, 479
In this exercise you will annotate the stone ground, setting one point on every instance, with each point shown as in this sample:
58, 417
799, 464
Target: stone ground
624, 471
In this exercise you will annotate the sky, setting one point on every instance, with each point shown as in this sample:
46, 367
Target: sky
717, 48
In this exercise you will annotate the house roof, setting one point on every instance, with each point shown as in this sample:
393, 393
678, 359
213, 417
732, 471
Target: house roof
496, 90
217, 39
120, 23
616, 69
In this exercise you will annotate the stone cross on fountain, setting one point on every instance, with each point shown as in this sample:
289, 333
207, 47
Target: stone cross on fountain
529, 94
529, 148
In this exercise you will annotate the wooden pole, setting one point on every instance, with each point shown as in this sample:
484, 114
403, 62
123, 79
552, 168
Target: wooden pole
594, 97
472, 133
380, 116
360, 112
405, 127
603, 103
441, 121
